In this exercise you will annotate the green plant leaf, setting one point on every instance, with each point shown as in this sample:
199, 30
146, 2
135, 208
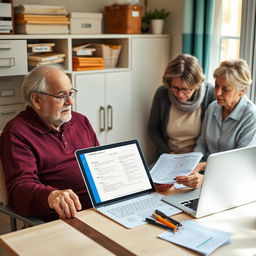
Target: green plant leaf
155, 14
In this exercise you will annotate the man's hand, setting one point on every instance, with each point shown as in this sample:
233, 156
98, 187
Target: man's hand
65, 202
193, 180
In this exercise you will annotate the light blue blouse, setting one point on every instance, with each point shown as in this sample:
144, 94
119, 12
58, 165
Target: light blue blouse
236, 131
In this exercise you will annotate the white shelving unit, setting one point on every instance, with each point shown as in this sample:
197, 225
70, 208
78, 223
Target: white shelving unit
116, 100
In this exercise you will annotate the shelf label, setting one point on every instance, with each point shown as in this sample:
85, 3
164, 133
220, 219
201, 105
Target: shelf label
41, 49
135, 14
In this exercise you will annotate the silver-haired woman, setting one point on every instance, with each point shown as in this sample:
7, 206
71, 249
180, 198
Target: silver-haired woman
230, 121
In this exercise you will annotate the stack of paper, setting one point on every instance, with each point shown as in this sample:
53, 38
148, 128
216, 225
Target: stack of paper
45, 58
198, 237
41, 19
87, 63
110, 53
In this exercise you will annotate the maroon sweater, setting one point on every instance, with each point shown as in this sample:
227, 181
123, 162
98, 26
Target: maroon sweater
38, 159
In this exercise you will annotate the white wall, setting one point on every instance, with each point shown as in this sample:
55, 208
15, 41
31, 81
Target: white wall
174, 23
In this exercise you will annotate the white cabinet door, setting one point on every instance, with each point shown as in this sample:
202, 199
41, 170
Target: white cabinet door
90, 101
105, 100
118, 107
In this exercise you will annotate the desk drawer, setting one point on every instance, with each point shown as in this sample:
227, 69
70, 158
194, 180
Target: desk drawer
8, 112
10, 90
13, 57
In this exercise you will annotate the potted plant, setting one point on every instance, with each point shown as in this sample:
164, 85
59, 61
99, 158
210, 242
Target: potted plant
156, 19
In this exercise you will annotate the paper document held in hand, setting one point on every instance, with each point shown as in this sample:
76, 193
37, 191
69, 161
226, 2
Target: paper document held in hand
169, 166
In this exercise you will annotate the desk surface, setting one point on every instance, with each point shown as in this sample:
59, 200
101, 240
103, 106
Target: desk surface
59, 238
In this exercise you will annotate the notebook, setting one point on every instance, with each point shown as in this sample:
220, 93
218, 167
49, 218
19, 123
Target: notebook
229, 181
119, 184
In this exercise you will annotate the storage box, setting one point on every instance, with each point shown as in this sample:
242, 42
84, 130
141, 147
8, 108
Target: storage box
123, 19
85, 23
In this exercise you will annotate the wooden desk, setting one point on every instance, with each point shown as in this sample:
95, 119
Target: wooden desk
58, 238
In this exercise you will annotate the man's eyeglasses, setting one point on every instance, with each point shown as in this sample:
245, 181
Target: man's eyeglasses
64, 97
176, 89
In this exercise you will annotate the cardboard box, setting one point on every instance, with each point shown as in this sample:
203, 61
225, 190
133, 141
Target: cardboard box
123, 19
85, 23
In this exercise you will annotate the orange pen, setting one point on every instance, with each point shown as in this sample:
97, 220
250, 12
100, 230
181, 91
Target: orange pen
165, 222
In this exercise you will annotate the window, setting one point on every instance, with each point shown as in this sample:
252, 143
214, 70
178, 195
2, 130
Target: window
230, 29
226, 33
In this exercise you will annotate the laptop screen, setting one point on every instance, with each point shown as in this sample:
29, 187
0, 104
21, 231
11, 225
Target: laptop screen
113, 172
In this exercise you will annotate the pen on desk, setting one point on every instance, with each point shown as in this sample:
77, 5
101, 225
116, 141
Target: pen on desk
151, 221
163, 215
165, 222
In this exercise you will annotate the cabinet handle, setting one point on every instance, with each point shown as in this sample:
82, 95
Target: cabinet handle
7, 92
7, 62
110, 117
102, 119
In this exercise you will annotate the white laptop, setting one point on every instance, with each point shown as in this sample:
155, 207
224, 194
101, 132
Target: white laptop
119, 183
229, 181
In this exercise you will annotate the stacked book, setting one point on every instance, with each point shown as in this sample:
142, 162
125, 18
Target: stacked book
41, 19
41, 54
87, 63
83, 58
45, 58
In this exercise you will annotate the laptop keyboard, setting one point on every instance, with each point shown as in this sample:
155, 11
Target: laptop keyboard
192, 204
143, 208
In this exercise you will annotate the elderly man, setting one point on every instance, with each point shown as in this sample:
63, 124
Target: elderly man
37, 148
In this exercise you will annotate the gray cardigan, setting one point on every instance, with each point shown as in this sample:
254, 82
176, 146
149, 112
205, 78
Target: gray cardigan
158, 119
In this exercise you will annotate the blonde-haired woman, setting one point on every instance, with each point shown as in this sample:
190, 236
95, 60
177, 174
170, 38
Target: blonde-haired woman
230, 121
179, 105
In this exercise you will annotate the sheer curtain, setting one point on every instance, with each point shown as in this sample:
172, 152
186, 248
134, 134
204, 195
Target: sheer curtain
215, 46
197, 30
248, 41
